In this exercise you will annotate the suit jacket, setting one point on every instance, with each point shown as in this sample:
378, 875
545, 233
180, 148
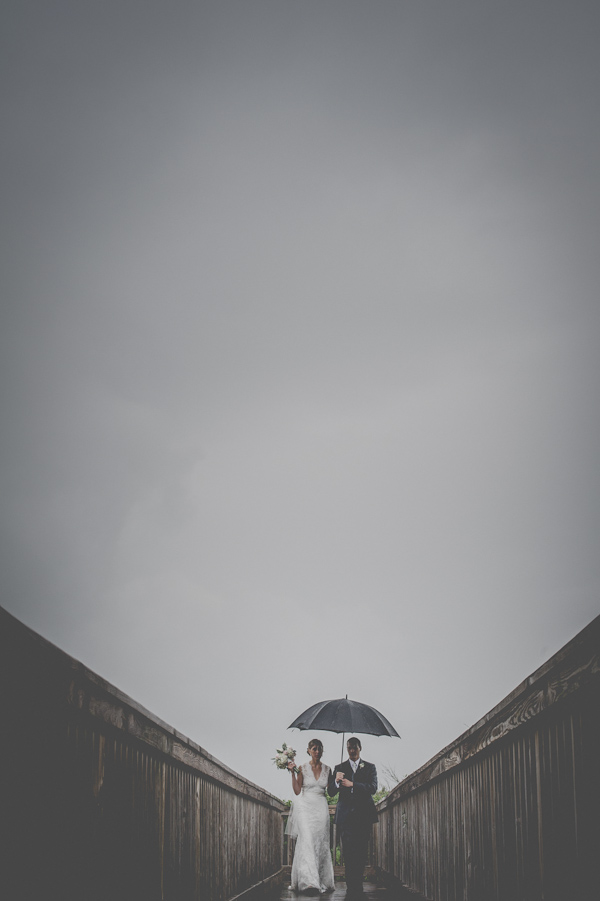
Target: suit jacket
355, 806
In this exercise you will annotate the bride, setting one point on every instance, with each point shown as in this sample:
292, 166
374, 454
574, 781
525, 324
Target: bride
312, 869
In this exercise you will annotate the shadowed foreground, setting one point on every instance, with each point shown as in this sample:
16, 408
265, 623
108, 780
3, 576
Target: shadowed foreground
372, 892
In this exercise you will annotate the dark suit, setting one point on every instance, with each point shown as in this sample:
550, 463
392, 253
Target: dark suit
354, 815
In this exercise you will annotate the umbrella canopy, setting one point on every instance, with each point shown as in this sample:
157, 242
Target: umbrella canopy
344, 716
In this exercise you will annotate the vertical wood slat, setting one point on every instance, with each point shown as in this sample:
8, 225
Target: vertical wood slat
509, 812
102, 800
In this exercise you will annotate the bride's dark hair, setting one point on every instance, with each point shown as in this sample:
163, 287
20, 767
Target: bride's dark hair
315, 742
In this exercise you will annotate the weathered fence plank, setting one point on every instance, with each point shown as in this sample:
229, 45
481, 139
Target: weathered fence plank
510, 811
102, 801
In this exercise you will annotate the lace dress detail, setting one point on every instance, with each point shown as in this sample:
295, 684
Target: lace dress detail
309, 821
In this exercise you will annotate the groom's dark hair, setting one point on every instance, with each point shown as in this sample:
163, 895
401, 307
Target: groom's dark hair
354, 743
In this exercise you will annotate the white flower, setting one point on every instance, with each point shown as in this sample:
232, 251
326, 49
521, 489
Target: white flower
283, 756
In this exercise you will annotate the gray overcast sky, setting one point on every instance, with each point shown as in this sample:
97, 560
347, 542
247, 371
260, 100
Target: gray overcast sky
299, 354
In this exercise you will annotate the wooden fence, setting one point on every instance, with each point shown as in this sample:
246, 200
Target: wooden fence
511, 810
101, 801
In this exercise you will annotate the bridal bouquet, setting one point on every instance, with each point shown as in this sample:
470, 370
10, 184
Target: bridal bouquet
283, 757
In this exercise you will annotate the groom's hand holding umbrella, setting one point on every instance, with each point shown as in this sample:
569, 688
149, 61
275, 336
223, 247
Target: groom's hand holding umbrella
340, 778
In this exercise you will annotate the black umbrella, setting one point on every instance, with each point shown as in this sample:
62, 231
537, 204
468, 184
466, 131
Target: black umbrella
344, 716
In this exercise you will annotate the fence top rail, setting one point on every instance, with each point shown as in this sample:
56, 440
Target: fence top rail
89, 693
573, 667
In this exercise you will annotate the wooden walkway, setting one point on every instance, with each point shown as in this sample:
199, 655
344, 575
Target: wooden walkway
372, 892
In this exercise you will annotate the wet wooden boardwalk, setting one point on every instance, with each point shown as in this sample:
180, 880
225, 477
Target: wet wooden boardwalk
372, 892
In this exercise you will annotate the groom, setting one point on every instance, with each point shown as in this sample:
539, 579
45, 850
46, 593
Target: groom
356, 781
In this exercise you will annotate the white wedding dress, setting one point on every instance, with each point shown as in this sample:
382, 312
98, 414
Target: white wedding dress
309, 821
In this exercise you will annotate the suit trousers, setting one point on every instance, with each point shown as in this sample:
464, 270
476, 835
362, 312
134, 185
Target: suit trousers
355, 840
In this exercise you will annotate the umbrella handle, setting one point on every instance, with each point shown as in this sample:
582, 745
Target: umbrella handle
343, 737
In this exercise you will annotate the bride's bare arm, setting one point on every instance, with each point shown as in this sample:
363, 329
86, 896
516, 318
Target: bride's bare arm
296, 779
